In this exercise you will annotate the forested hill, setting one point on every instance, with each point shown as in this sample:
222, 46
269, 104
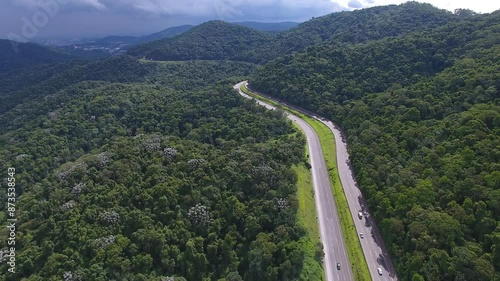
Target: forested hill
14, 55
149, 171
167, 33
213, 40
270, 27
132, 169
345, 72
422, 117
220, 40
360, 26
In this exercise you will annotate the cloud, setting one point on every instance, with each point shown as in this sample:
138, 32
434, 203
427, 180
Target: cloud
77, 17
93, 3
87, 17
34, 4
221, 8
355, 4
230, 10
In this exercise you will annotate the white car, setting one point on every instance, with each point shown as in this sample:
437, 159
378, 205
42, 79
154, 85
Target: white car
361, 235
379, 271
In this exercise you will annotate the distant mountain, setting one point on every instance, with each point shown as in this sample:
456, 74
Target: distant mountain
177, 30
167, 33
115, 45
15, 55
274, 27
213, 40
132, 40
337, 28
114, 39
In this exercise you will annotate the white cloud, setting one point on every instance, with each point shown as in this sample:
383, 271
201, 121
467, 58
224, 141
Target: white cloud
143, 16
355, 4
93, 3
214, 7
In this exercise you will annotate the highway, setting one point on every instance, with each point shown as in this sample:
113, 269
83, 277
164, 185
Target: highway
374, 249
330, 230
375, 252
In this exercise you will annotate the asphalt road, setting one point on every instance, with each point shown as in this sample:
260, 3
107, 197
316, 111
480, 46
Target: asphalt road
374, 249
330, 230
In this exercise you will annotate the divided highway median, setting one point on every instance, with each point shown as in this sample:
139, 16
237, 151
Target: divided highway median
353, 244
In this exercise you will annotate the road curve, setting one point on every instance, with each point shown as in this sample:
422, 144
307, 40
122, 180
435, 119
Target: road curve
330, 229
373, 246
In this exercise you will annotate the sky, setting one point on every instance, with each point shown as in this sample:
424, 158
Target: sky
26, 20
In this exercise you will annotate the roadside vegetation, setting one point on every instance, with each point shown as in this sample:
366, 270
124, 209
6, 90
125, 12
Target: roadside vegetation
307, 216
421, 117
327, 139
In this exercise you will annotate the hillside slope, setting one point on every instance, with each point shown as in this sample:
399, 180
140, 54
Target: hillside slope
14, 55
360, 26
213, 40
220, 40
271, 27
148, 171
423, 124
166, 33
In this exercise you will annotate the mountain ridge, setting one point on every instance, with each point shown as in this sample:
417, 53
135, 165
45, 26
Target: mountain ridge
336, 28
14, 55
212, 40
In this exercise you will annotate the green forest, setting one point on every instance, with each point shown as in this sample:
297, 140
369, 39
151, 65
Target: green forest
149, 166
146, 180
22, 55
422, 118
213, 40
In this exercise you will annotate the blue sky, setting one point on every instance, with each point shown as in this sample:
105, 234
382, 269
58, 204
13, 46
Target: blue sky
34, 19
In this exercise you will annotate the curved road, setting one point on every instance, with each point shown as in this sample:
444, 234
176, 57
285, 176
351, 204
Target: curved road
375, 252
329, 223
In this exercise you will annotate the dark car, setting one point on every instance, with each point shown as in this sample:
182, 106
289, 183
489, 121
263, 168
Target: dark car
338, 266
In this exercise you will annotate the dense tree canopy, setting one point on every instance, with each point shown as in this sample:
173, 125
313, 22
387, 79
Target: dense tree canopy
132, 169
359, 26
213, 40
36, 82
423, 124
15, 55
145, 180
219, 40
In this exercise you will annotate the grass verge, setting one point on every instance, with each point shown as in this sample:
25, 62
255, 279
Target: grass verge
312, 269
354, 250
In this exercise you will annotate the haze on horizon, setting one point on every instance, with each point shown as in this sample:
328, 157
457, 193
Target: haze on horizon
92, 18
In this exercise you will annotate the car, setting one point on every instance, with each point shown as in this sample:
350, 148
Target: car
360, 215
361, 235
338, 266
379, 271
